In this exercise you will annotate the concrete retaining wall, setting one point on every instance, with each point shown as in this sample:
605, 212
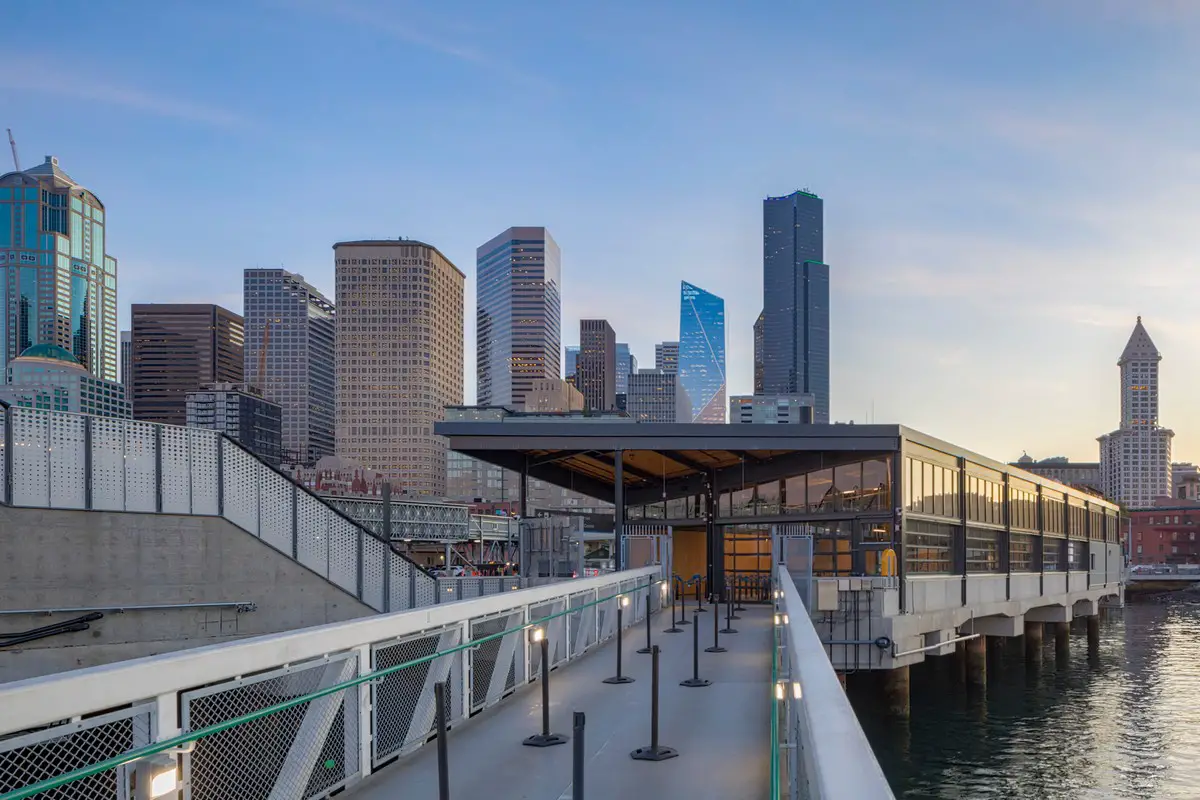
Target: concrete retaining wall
89, 559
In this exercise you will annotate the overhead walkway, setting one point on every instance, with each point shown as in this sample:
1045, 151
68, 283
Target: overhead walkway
722, 732
349, 708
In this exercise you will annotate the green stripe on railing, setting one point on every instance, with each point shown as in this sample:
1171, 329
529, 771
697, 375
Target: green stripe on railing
182, 739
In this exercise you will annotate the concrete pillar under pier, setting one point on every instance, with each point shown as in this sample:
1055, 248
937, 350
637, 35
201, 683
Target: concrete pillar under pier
1062, 639
960, 662
977, 661
1033, 641
895, 691
1093, 632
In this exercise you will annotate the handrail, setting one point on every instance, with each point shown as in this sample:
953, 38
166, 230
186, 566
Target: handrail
193, 736
837, 759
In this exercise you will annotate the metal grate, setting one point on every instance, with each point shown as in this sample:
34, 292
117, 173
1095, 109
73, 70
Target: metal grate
240, 486
374, 552
108, 464
494, 662
141, 477
30, 459
404, 701
32, 757
341, 546
204, 451
303, 752
175, 477
67, 441
401, 579
582, 623
556, 635
275, 509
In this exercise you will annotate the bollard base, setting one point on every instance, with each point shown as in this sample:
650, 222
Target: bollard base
735, 616
645, 651
673, 629
693, 682
545, 740
684, 622
618, 679
659, 753
716, 648
728, 629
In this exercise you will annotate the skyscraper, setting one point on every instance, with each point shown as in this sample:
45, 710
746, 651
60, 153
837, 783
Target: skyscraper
399, 355
1135, 459
795, 329
127, 361
596, 367
626, 366
569, 360
758, 347
702, 352
177, 348
517, 314
57, 284
657, 396
295, 322
666, 356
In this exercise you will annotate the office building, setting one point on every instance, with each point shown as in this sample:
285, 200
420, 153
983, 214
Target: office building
517, 314
596, 367
795, 328
240, 412
177, 348
702, 352
48, 377
569, 360
399, 356
666, 356
58, 285
289, 358
1165, 533
549, 395
758, 346
657, 396
1135, 459
1185, 482
1080, 474
626, 366
127, 360
777, 409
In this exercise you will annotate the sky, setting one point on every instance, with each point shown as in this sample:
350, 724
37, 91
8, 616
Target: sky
1007, 183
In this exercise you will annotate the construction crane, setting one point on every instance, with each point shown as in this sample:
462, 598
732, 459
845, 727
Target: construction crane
13, 144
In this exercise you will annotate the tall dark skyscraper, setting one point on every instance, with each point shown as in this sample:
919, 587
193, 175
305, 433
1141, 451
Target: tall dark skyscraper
795, 328
702, 353
758, 347
596, 365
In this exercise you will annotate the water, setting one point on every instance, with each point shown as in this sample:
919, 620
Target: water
1121, 722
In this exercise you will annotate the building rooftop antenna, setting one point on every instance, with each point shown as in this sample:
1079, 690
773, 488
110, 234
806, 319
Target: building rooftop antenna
13, 144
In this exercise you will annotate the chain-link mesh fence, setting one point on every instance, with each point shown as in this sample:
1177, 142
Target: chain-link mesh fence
40, 755
301, 752
405, 710
494, 662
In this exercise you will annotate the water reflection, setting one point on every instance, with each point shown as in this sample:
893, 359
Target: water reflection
1117, 722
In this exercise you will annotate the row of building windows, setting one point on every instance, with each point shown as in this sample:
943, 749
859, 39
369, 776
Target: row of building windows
942, 548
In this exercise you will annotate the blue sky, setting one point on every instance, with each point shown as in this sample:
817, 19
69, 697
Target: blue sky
1007, 183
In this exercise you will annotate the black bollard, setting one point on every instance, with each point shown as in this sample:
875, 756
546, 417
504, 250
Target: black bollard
699, 600
729, 617
646, 649
737, 597
716, 645
655, 752
673, 628
683, 620
577, 761
439, 697
695, 680
619, 677
730, 601
545, 738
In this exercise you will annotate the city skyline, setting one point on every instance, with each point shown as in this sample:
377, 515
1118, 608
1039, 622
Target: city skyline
920, 244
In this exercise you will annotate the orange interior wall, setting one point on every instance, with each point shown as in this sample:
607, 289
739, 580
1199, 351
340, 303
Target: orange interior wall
689, 552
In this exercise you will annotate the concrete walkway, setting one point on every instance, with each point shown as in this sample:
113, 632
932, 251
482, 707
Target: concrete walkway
722, 732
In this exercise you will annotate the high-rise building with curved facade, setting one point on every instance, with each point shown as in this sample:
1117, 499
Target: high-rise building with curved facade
57, 284
702, 352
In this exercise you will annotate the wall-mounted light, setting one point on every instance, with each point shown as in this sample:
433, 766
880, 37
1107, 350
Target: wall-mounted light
785, 620
779, 691
624, 601
536, 635
776, 619
796, 689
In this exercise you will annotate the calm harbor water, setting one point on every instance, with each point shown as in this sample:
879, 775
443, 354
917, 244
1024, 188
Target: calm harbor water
1122, 722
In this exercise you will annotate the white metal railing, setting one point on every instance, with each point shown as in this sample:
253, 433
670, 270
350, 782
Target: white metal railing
52, 459
303, 713
822, 751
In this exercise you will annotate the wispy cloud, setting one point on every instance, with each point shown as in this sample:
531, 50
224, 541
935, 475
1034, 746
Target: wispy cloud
32, 76
392, 24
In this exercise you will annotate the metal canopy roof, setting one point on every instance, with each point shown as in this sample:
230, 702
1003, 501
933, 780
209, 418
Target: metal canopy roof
663, 461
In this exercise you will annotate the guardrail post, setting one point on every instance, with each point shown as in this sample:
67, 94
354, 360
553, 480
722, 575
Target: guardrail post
296, 521
412, 585
439, 695
467, 667
387, 575
87, 466
366, 713
7, 487
220, 476
359, 560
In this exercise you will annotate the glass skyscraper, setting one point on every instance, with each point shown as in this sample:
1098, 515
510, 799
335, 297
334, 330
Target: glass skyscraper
702, 353
518, 315
626, 365
57, 284
795, 317
295, 323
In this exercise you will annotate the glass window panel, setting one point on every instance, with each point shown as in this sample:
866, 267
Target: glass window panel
927, 488
819, 484
939, 497
796, 491
877, 479
928, 547
983, 550
768, 498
